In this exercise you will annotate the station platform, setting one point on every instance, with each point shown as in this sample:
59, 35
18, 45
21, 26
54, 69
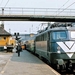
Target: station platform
27, 64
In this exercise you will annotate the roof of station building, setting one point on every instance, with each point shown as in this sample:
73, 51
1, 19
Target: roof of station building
3, 32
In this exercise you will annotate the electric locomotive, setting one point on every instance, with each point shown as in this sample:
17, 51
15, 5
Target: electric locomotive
57, 45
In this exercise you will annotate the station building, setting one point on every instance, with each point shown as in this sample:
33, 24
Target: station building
5, 38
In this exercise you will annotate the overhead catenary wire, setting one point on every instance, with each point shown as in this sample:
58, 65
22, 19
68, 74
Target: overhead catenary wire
6, 3
66, 8
64, 4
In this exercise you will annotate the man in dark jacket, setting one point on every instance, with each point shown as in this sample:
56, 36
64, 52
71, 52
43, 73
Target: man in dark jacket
19, 49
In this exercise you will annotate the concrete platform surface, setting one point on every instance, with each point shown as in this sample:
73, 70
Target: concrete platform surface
27, 64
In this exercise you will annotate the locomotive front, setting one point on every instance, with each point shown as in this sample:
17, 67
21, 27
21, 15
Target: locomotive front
63, 48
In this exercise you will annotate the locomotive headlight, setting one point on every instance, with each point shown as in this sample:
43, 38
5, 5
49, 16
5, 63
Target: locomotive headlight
58, 49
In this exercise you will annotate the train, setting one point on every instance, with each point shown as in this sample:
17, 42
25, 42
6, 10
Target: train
56, 44
30, 44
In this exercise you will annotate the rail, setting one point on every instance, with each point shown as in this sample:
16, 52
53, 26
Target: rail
37, 11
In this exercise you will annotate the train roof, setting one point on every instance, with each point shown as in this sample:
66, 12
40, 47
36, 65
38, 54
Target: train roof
57, 29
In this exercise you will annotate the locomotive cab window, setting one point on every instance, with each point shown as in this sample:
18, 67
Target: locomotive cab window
59, 35
72, 34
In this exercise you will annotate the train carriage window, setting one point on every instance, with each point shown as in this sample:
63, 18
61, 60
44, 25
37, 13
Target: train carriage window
59, 35
42, 37
72, 34
45, 36
38, 38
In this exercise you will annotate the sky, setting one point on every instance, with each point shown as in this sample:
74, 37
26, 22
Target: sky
27, 27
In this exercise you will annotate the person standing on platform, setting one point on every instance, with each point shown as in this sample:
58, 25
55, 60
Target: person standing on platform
19, 49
